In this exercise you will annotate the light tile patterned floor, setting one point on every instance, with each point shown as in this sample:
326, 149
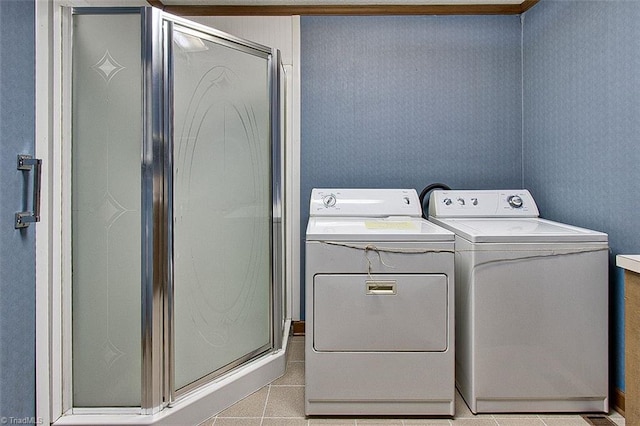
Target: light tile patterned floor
282, 404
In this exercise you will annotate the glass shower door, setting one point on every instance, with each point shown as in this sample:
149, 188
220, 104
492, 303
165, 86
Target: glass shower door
106, 209
174, 236
222, 204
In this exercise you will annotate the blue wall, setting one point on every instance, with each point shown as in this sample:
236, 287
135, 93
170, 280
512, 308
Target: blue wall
582, 126
17, 251
406, 101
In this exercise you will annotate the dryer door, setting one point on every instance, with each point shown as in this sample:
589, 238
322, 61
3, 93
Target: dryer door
392, 313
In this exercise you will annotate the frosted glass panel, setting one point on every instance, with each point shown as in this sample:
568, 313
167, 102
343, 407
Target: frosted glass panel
106, 188
222, 206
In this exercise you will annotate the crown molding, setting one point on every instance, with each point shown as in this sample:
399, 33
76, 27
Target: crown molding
345, 9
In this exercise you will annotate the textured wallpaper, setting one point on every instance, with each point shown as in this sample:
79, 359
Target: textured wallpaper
582, 114
17, 248
405, 101
582, 126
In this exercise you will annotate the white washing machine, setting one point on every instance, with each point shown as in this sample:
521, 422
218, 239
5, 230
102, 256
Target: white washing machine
531, 305
379, 306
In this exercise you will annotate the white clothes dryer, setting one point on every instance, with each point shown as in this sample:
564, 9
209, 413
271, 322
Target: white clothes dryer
531, 305
379, 306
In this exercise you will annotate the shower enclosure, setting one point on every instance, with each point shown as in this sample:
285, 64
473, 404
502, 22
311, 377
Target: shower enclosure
175, 223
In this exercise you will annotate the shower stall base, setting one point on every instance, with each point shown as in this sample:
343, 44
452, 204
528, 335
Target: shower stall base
203, 403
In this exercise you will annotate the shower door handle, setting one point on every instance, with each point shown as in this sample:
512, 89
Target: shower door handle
27, 163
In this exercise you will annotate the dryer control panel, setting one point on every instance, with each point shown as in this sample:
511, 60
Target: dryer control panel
354, 202
482, 203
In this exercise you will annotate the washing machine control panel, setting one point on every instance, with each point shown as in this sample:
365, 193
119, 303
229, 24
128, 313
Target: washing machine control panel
352, 202
482, 203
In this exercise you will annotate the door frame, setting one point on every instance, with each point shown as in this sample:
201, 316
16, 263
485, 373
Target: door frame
46, 254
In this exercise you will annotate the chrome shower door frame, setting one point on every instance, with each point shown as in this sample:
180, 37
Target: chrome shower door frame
157, 250
272, 56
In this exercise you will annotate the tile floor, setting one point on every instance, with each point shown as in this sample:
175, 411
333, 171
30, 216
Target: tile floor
281, 403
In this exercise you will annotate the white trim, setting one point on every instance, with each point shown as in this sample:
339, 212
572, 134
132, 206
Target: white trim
293, 171
55, 403
629, 262
63, 179
53, 392
48, 125
43, 150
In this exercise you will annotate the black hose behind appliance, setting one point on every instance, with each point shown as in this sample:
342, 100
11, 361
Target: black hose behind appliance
425, 192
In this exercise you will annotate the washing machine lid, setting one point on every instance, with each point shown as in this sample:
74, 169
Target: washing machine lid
375, 229
518, 230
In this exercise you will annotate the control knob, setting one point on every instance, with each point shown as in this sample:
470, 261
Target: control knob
515, 201
329, 200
